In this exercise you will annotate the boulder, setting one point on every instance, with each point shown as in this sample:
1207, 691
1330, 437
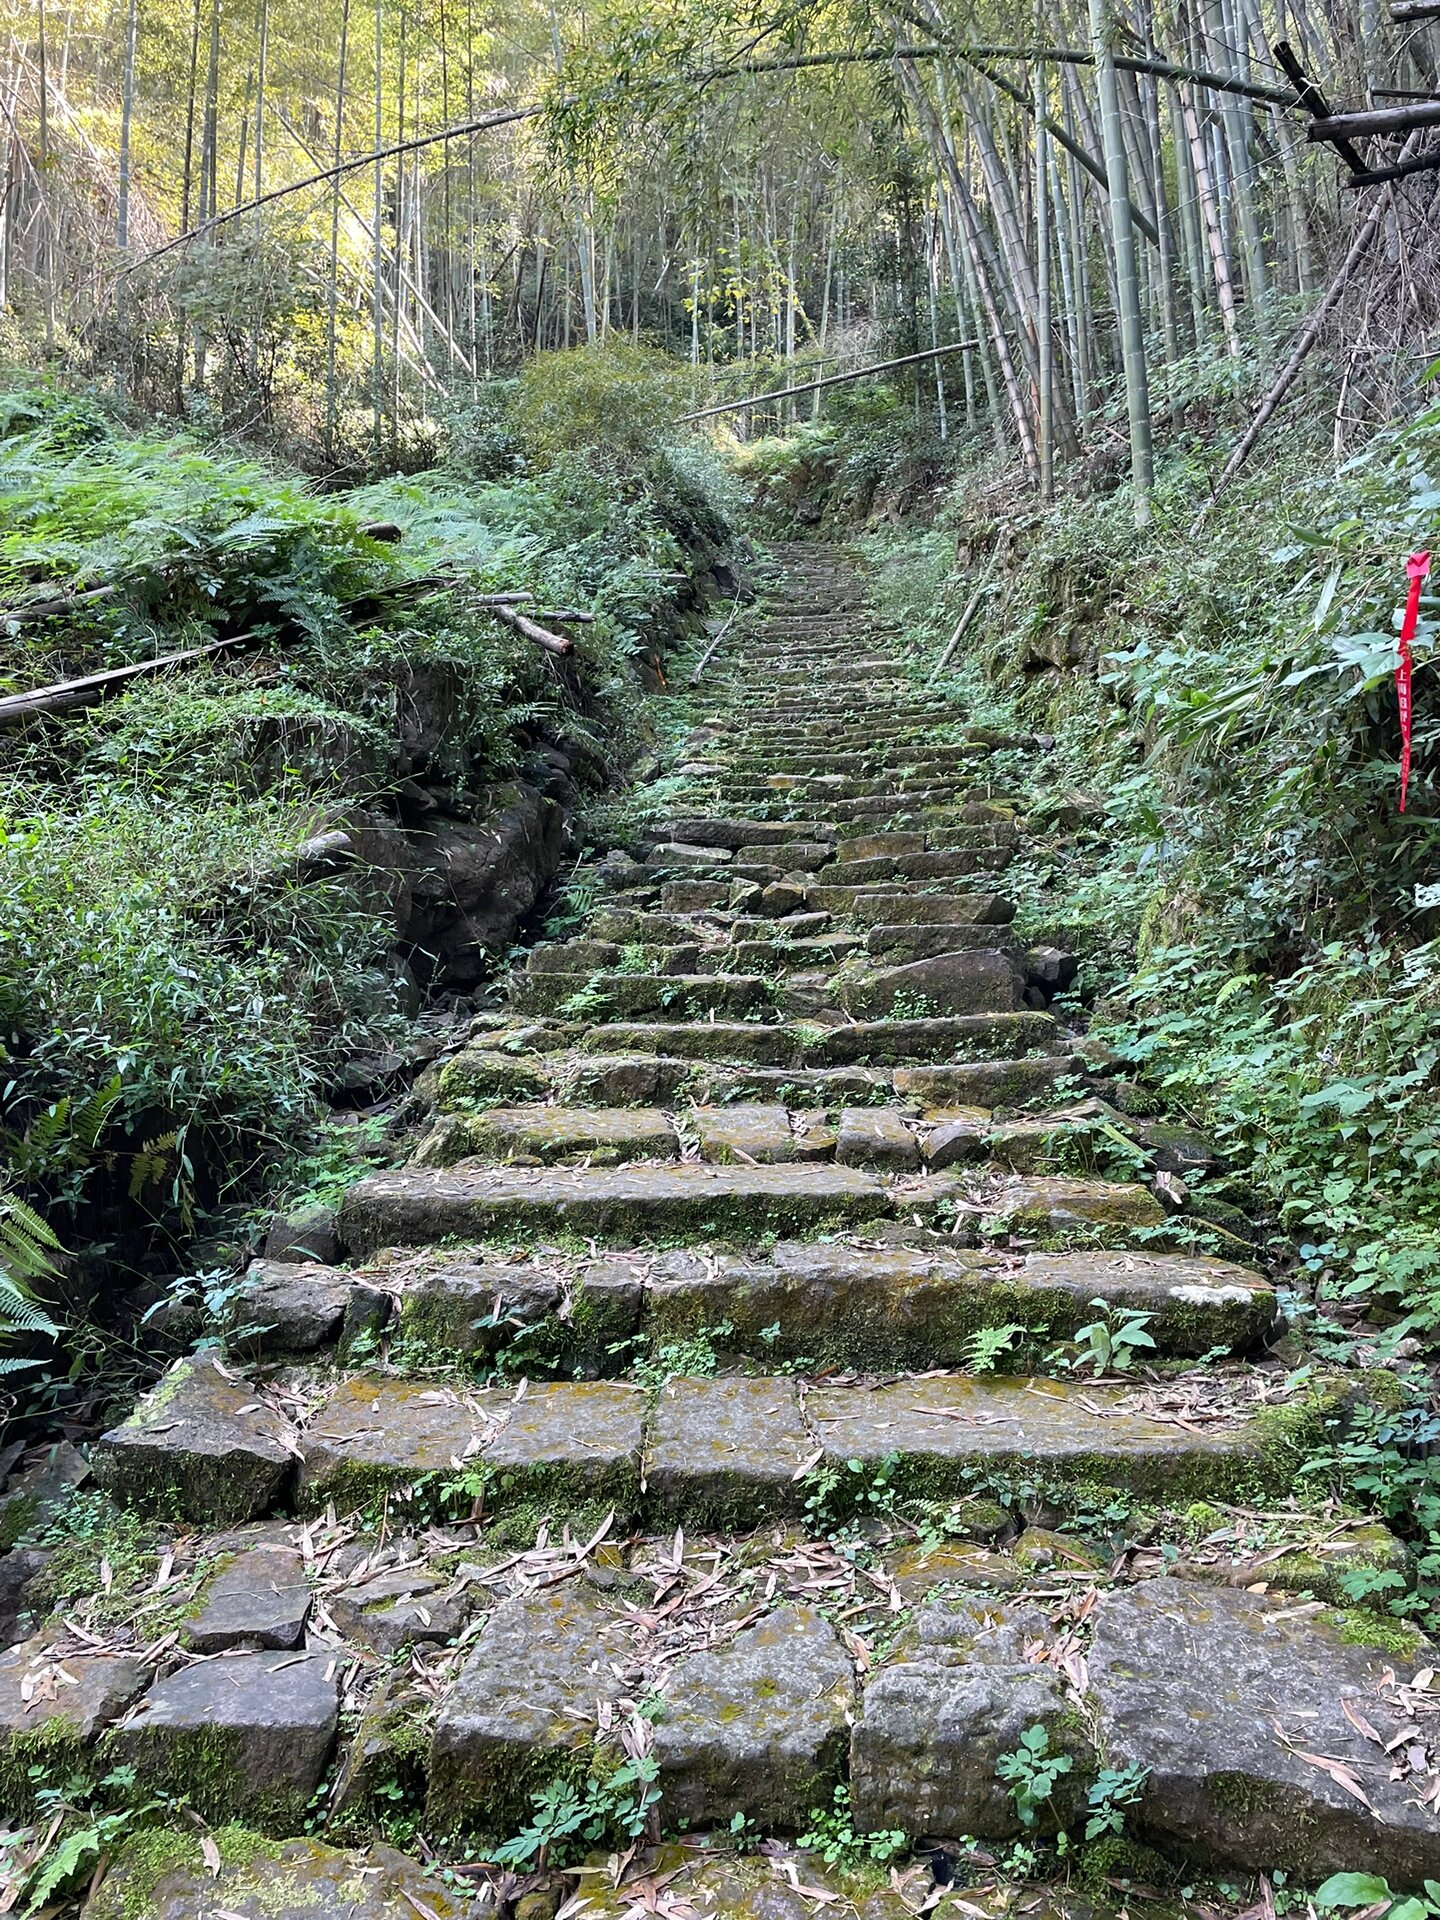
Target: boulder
260, 1599
524, 1706
287, 1307
961, 1686
242, 1736
53, 1705
302, 1234
264, 1880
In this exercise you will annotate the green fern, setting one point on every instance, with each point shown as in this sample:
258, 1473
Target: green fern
26, 1248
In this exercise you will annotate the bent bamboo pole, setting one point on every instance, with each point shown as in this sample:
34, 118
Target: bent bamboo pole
831, 380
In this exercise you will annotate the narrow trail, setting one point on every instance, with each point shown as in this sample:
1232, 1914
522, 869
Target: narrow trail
768, 1203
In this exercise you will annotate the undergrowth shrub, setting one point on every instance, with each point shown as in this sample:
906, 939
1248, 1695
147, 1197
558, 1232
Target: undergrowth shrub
1216, 827
155, 935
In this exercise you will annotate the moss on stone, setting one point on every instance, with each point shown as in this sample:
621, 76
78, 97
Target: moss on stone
144, 1858
1359, 1627
199, 1766
1117, 1857
42, 1757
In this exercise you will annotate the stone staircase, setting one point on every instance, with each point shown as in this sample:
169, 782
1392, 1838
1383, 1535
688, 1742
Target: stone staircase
705, 1387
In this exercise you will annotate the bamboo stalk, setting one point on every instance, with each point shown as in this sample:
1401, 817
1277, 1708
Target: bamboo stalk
814, 386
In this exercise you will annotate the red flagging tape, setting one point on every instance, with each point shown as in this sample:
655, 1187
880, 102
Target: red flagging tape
1416, 567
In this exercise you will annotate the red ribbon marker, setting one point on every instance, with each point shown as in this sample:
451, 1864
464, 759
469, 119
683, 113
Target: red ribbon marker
1417, 567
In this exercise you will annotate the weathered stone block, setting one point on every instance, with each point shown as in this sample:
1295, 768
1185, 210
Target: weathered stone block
524, 1707
241, 1737
200, 1447
956, 1694
261, 1599
726, 1451
1236, 1707
52, 1706
758, 1725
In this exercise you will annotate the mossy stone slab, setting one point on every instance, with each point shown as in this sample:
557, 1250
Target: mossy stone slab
893, 907
1197, 1302
371, 1435
1227, 1698
621, 1079
918, 1571
994, 1083
959, 1689
199, 1447
917, 942
54, 1703
725, 1452
920, 866
876, 1137
948, 1037
759, 1725
557, 1133
776, 1046
744, 1131
162, 1875
1057, 1203
577, 1440
260, 1599
523, 1709
1068, 1433
245, 1735
421, 1207
483, 1073
728, 995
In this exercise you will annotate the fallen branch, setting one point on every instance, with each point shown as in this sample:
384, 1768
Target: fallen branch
94, 687
61, 603
518, 623
972, 606
705, 658
830, 380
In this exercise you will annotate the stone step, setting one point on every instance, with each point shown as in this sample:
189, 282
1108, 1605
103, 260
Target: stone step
859, 1043
740, 1449
825, 1304
420, 1207
853, 800
654, 1201
886, 869
878, 906
602, 995
977, 981
647, 1077
709, 830
852, 1126
692, 956
635, 926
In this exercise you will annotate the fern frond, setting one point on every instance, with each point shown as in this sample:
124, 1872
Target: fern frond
92, 1113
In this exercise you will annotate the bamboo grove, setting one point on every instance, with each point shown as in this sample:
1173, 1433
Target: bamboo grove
321, 224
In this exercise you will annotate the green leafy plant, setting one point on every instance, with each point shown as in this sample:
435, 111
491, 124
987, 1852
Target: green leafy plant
1344, 1891
1113, 1794
1111, 1341
836, 1496
1032, 1773
695, 1356
570, 1818
832, 1834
